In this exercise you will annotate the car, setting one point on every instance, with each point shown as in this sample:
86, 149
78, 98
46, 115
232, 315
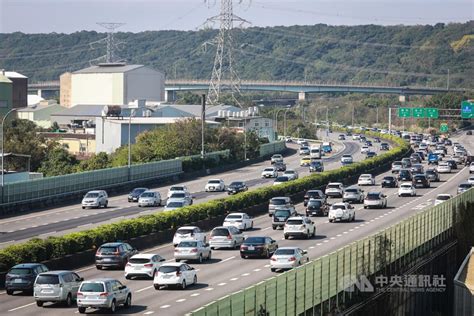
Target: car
334, 189
421, 180
258, 246
299, 226
364, 149
280, 166
368, 143
269, 172
291, 174
57, 287
316, 166
305, 161
189, 233
471, 167
341, 211
366, 179
281, 215
470, 180
280, 180
432, 175
179, 188
304, 150
225, 237
239, 220
370, 154
375, 200
423, 146
469, 133
237, 187
405, 175
353, 194
384, 146
192, 250
443, 167
301, 141
316, 207
406, 162
417, 168
347, 159
95, 199
215, 185
286, 258
415, 158
316, 152
341, 137
463, 187
176, 274
406, 188
313, 194
376, 140
279, 201
149, 198
288, 139
21, 277
396, 166
389, 182
433, 158
103, 293
173, 204
276, 158
143, 265
458, 159
452, 164
439, 152
440, 198
114, 254
135, 194
355, 137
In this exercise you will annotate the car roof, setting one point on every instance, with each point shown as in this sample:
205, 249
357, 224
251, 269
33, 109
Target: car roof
374, 192
58, 272
27, 265
296, 217
236, 213
172, 264
144, 255
96, 191
215, 180
99, 280
338, 183
112, 244
288, 248
188, 227
444, 194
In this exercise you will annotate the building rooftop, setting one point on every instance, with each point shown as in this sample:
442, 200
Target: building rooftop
13, 74
108, 68
4, 79
37, 107
81, 110
152, 120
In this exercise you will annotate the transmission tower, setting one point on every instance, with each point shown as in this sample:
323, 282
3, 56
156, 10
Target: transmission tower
223, 73
111, 43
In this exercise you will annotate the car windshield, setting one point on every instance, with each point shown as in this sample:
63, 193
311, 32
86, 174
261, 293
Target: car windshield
278, 201
213, 182
282, 213
389, 178
20, 271
347, 156
220, 232
255, 240
234, 217
138, 191
351, 190
139, 260
178, 196
184, 231
47, 279
175, 204
168, 269
285, 252
92, 195
147, 194
179, 188
294, 222
333, 186
443, 197
187, 244
92, 287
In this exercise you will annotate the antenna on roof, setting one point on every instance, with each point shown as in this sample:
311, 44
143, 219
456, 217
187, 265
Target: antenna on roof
112, 45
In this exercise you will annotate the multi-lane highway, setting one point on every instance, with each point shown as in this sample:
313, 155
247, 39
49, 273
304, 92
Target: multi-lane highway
62, 220
227, 272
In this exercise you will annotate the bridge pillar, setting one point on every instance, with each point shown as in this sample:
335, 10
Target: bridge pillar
170, 96
302, 96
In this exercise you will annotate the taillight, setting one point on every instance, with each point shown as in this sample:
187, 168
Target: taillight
194, 250
105, 294
178, 273
243, 247
273, 259
128, 265
97, 253
79, 294
292, 259
229, 237
148, 265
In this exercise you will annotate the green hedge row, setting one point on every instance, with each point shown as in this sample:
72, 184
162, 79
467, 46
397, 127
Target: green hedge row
37, 250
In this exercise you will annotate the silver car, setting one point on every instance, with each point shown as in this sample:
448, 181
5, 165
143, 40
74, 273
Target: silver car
149, 198
95, 199
105, 293
226, 237
192, 250
56, 286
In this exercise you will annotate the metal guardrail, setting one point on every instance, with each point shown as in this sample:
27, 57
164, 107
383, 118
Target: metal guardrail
319, 287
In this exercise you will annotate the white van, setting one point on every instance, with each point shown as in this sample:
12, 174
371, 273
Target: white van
315, 152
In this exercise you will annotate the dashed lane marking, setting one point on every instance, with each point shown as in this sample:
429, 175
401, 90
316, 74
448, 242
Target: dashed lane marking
165, 306
209, 289
195, 294
318, 244
245, 274
20, 307
221, 284
144, 289
180, 300
148, 313
227, 259
256, 270
234, 279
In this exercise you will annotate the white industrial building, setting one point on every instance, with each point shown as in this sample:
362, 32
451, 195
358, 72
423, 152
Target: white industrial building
112, 84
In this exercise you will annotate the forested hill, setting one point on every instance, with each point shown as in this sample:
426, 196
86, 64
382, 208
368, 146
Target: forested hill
404, 55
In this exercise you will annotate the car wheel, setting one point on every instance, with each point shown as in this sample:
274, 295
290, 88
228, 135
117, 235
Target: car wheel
209, 256
314, 232
99, 267
274, 227
353, 217
286, 236
154, 273
9, 292
83, 207
308, 235
128, 302
128, 277
365, 206
156, 286
106, 204
195, 280
68, 301
183, 285
81, 310
212, 248
272, 269
177, 260
234, 246
39, 303
113, 307
251, 225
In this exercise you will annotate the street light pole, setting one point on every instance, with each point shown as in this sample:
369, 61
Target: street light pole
284, 122
132, 113
3, 144
353, 110
377, 117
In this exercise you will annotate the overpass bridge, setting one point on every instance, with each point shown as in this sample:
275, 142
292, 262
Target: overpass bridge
299, 87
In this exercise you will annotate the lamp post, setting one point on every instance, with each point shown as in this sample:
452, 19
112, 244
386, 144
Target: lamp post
132, 113
3, 144
276, 120
284, 121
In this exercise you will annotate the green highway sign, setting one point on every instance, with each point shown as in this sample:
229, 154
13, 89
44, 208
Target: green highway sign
443, 128
467, 109
404, 112
432, 113
418, 112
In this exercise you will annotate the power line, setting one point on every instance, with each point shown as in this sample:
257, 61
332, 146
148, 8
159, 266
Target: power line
112, 45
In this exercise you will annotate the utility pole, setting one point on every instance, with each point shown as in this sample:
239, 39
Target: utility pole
111, 44
203, 123
377, 115
390, 121
327, 120
353, 110
447, 83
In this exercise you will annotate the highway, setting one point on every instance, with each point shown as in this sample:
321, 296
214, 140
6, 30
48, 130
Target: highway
62, 220
227, 272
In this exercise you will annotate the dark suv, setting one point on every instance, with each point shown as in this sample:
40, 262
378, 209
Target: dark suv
405, 175
316, 166
135, 194
421, 180
114, 254
313, 194
389, 182
317, 207
22, 277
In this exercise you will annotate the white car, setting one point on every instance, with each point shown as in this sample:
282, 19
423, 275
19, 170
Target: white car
471, 167
174, 204
291, 174
341, 212
226, 237
375, 200
301, 141
304, 150
177, 274
406, 188
276, 158
355, 137
192, 250
443, 167
180, 196
238, 220
143, 265
95, 199
334, 189
269, 172
215, 185
470, 180
347, 159
366, 179
174, 188
364, 149
280, 180
299, 226
149, 198
440, 198
288, 258
189, 233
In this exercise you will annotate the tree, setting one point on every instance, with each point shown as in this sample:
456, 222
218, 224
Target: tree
98, 161
58, 162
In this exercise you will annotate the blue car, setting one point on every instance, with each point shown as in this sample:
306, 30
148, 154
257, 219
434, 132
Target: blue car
433, 158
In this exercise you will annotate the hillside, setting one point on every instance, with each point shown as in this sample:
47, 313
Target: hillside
403, 55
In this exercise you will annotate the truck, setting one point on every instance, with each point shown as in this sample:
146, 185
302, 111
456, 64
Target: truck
315, 152
327, 147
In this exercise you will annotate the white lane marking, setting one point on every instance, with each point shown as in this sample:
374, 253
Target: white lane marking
148, 313
326, 241
245, 274
165, 306
256, 270
351, 229
195, 294
338, 235
264, 229
20, 307
180, 300
333, 238
345, 232
318, 244
209, 289
357, 227
221, 284
312, 247
1, 293
267, 266
227, 259
144, 289
234, 279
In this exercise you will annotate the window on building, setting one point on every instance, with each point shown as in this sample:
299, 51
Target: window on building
256, 124
267, 124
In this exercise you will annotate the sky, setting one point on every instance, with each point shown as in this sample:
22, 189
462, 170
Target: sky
68, 16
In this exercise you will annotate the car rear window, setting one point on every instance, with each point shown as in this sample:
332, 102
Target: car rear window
255, 240
184, 231
282, 213
372, 196
147, 194
338, 207
168, 269
139, 260
220, 232
351, 190
213, 182
92, 287
20, 271
281, 179
406, 186
465, 185
443, 197
268, 169
47, 279
234, 217
187, 244
278, 201
108, 249
177, 195
295, 222
314, 203
175, 204
333, 186
284, 252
